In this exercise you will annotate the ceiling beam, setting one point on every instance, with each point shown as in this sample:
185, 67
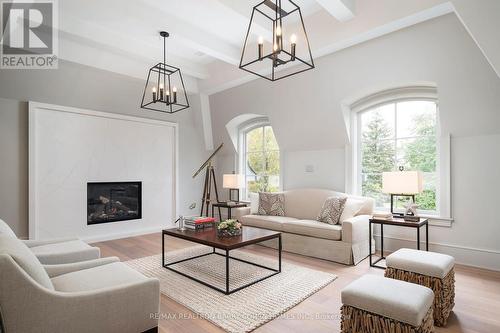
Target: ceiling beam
95, 39
195, 37
342, 10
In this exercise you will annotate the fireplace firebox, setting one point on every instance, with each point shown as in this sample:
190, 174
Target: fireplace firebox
113, 202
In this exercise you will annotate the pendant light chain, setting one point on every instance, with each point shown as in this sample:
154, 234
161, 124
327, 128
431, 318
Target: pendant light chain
165, 64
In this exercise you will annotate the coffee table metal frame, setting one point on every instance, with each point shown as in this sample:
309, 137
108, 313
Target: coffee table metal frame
227, 290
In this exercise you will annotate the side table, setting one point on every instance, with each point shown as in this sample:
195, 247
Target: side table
229, 207
401, 223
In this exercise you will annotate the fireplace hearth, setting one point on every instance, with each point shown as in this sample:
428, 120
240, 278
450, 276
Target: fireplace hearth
113, 202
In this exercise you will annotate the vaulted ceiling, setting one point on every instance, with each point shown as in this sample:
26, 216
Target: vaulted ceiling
207, 35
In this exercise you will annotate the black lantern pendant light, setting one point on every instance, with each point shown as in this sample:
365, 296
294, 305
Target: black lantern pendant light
164, 90
276, 44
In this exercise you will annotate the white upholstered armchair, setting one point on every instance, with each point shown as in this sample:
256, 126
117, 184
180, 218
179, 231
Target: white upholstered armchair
56, 251
101, 295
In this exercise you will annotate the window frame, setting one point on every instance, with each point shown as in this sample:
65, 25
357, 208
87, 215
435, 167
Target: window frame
423, 92
242, 145
394, 140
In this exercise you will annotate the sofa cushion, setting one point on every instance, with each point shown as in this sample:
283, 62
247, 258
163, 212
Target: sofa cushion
272, 204
421, 262
106, 276
254, 202
313, 229
61, 247
6, 230
305, 204
402, 301
332, 210
23, 256
351, 208
266, 222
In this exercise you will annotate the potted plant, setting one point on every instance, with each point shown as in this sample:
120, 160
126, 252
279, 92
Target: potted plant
229, 228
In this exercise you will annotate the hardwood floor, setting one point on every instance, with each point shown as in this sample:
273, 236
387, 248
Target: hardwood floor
477, 299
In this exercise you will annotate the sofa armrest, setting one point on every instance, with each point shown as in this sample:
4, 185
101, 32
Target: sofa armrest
56, 270
355, 229
35, 242
241, 211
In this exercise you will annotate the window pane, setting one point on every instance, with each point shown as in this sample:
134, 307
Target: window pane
269, 139
263, 183
252, 184
372, 187
416, 118
271, 183
272, 163
255, 163
377, 156
427, 199
378, 123
254, 140
262, 161
417, 154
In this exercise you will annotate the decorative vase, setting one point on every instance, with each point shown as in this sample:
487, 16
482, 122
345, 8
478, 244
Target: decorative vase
228, 233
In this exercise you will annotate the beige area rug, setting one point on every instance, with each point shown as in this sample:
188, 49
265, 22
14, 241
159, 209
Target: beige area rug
244, 310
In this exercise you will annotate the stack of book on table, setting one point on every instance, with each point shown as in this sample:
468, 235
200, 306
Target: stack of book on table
382, 215
198, 222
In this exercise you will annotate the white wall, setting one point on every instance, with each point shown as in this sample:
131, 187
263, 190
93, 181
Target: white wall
321, 169
89, 88
71, 147
305, 112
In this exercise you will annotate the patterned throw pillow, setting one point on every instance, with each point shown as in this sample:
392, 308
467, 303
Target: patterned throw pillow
272, 204
332, 210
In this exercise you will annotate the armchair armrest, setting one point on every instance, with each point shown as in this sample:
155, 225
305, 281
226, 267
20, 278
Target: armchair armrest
126, 307
35, 242
241, 211
56, 270
355, 229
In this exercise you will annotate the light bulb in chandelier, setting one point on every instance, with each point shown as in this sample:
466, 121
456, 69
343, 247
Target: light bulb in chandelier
261, 47
293, 46
161, 91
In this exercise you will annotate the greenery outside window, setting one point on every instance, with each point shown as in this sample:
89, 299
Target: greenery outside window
401, 133
261, 160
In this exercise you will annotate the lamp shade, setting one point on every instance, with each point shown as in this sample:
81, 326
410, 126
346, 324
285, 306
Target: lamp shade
402, 182
232, 181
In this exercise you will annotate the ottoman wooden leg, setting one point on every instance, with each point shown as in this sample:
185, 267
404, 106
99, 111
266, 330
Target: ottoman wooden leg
359, 321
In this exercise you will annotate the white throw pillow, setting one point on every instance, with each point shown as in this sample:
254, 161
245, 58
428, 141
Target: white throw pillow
351, 208
254, 202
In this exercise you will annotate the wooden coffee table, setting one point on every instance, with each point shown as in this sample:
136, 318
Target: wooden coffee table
209, 237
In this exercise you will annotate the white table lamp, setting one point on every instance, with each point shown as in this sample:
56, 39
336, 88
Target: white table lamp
233, 183
402, 183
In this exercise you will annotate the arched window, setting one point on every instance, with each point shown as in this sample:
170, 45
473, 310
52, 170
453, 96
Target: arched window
399, 133
260, 159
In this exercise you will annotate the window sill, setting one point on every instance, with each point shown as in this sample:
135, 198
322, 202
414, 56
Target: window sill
434, 220
439, 221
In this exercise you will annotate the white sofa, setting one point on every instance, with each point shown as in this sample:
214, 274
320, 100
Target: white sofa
346, 243
100, 295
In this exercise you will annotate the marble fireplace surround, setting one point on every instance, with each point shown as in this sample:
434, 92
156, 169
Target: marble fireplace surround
69, 147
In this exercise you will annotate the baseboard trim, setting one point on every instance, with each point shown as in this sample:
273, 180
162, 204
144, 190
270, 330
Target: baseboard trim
120, 235
465, 255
